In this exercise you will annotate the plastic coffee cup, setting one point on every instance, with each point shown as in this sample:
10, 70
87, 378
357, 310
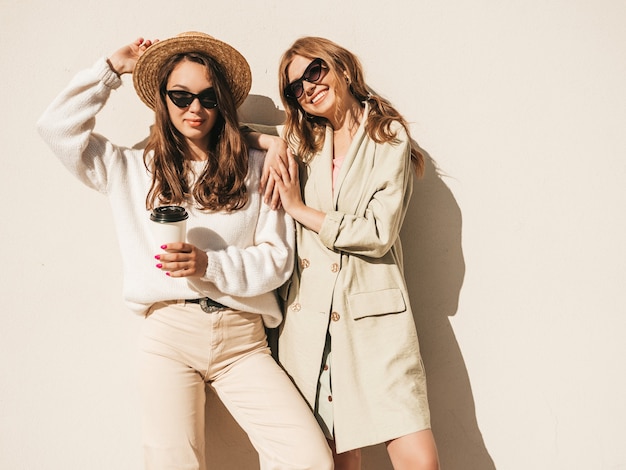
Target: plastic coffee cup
169, 224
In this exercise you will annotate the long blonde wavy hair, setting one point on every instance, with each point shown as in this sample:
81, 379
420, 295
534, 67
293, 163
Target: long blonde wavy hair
307, 132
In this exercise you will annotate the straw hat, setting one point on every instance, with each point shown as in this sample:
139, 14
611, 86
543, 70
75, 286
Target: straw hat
235, 66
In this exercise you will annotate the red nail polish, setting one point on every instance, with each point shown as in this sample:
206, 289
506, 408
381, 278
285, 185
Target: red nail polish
164, 247
157, 257
167, 273
159, 265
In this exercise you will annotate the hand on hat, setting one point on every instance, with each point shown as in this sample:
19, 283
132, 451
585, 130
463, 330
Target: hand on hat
124, 59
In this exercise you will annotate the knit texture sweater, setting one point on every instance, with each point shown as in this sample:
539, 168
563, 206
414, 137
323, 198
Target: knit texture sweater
250, 251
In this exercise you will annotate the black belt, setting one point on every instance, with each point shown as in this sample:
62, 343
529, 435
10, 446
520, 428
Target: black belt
207, 305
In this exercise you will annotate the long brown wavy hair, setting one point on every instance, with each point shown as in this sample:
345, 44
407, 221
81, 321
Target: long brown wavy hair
221, 185
306, 132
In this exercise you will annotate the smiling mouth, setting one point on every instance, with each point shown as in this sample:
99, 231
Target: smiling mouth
319, 96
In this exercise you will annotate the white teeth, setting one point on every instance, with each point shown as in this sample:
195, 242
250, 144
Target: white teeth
318, 97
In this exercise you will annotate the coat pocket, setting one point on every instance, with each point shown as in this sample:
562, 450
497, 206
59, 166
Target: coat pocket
381, 302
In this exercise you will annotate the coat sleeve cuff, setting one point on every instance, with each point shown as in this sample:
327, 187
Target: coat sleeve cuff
330, 228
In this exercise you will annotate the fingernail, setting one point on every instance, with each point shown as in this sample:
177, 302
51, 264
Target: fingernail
159, 265
164, 247
167, 273
157, 256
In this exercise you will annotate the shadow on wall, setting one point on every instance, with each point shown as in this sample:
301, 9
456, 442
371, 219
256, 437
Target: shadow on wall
261, 110
434, 269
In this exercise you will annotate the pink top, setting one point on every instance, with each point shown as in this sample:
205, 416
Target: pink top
337, 162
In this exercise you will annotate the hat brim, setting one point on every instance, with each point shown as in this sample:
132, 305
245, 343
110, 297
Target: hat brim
234, 65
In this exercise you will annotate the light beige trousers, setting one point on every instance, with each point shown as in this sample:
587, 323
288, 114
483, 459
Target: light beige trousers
181, 349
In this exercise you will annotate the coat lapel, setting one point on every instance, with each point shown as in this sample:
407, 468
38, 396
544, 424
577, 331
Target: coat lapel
320, 180
321, 176
351, 156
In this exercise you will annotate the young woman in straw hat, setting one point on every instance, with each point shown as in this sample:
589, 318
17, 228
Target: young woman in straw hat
206, 301
348, 339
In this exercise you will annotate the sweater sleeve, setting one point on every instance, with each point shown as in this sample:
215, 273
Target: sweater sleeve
67, 125
263, 266
260, 268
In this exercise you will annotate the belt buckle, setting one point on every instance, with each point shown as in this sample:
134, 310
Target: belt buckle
208, 308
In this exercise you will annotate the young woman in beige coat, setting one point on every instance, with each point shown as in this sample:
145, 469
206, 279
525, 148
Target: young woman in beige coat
348, 339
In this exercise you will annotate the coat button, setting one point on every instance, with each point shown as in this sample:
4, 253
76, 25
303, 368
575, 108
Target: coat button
304, 263
296, 307
334, 267
330, 398
335, 316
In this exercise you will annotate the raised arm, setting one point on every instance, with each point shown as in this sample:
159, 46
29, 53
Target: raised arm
67, 125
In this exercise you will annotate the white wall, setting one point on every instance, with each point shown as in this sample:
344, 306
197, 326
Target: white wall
515, 253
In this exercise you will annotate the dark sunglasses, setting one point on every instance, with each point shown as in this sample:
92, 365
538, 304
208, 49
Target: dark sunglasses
314, 72
182, 99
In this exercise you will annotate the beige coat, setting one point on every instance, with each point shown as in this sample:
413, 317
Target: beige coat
349, 278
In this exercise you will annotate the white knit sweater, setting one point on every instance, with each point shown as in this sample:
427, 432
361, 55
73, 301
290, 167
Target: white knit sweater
250, 251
